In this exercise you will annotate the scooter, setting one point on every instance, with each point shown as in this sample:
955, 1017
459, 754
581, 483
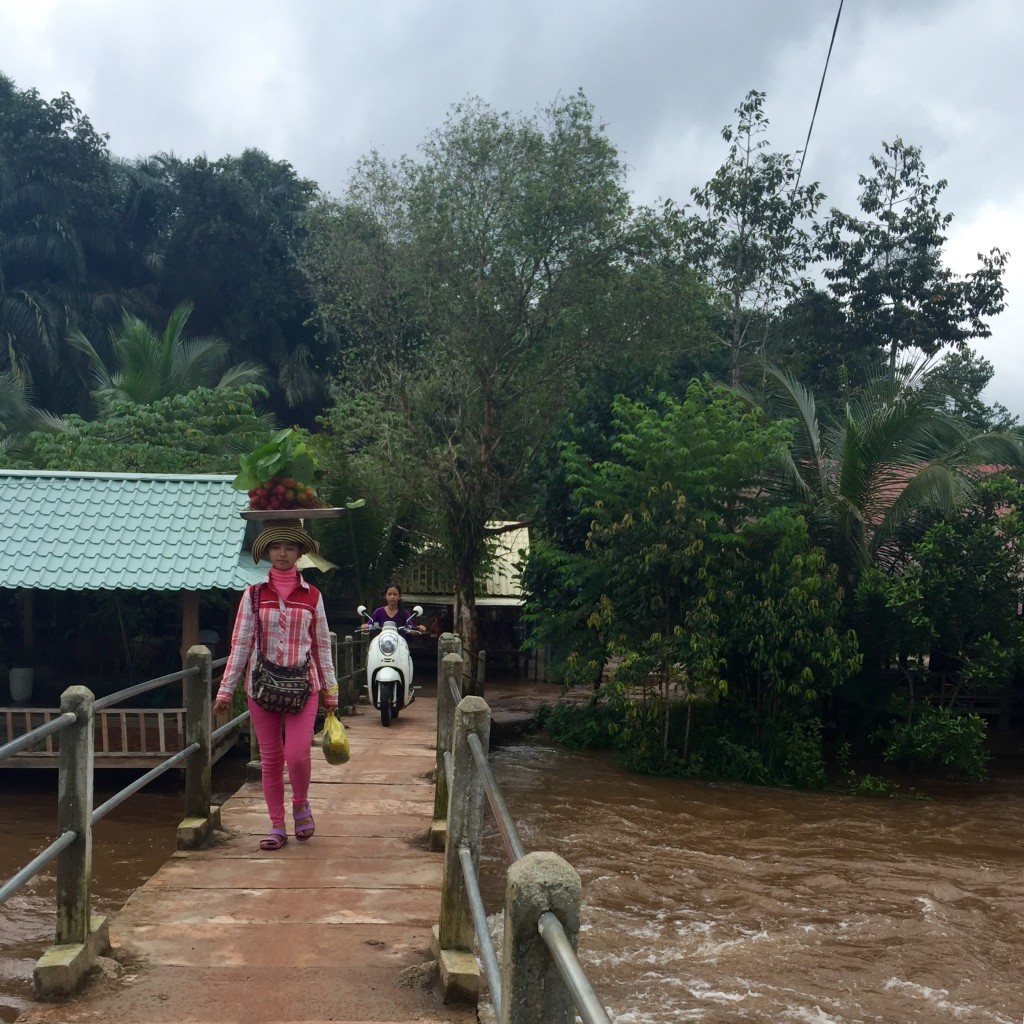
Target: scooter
389, 666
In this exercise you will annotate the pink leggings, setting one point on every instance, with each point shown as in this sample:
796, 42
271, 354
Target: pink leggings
292, 749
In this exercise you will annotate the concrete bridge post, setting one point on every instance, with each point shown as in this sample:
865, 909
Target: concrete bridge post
454, 936
200, 819
349, 696
80, 937
532, 988
450, 665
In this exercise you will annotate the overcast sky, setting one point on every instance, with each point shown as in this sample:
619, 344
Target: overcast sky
322, 82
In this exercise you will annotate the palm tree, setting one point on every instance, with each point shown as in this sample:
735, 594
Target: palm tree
18, 416
152, 366
892, 458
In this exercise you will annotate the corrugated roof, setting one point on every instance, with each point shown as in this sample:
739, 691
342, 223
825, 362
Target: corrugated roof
122, 531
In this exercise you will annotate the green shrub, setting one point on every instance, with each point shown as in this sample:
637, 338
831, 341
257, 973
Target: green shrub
939, 738
578, 726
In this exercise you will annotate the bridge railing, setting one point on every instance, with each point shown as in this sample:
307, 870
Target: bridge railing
80, 937
540, 980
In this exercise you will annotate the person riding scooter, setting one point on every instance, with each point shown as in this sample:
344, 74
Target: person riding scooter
389, 667
391, 612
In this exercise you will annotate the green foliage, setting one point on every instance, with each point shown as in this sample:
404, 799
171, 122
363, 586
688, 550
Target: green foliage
887, 266
466, 281
939, 738
785, 644
287, 454
894, 457
751, 235
701, 592
578, 726
200, 432
955, 601
966, 375
152, 366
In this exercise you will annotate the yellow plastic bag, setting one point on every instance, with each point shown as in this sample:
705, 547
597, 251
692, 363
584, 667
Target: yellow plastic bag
335, 741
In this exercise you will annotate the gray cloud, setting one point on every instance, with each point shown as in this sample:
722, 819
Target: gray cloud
321, 82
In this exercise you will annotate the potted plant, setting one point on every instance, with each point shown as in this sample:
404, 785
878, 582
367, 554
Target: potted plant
21, 675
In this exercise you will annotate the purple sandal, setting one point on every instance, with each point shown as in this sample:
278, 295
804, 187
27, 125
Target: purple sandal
274, 839
305, 826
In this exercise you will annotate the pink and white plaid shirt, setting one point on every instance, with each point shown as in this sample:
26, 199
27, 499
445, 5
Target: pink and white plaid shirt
292, 629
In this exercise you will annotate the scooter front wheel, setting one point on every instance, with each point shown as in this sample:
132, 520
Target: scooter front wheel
386, 696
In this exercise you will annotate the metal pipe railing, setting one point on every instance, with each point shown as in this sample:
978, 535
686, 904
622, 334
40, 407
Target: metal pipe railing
32, 737
470, 737
144, 687
140, 783
30, 870
564, 956
75, 815
506, 826
483, 933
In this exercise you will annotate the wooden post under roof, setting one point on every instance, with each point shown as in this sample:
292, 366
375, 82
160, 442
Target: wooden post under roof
189, 622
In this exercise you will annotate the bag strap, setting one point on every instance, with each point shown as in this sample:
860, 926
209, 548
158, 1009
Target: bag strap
254, 594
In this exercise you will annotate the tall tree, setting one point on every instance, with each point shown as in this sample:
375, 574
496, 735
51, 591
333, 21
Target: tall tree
888, 269
228, 237
467, 280
54, 201
689, 577
751, 233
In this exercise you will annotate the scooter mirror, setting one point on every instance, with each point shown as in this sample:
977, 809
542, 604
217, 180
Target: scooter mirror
417, 611
361, 609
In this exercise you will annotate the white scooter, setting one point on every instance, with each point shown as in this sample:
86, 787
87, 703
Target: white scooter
389, 666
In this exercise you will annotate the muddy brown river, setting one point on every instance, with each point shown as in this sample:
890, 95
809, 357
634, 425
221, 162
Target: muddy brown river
729, 903
713, 903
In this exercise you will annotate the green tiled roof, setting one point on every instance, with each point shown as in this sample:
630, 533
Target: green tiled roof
122, 531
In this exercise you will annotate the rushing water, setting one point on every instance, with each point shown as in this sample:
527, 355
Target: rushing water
729, 903
713, 903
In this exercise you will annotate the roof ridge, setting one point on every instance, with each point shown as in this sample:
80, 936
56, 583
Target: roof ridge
78, 474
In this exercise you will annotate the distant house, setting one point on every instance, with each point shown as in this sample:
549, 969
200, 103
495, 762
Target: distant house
499, 598
134, 532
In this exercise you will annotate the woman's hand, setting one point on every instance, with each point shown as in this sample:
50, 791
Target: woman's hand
220, 706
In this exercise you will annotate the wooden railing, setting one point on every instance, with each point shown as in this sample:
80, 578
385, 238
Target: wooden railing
139, 737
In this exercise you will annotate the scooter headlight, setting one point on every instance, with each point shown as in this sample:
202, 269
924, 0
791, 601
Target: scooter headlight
388, 644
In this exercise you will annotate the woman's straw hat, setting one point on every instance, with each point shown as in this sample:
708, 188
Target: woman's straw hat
283, 532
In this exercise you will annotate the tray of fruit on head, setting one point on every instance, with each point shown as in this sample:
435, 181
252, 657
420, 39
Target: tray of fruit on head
280, 480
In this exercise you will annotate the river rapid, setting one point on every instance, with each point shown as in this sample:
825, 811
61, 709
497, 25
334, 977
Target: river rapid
723, 903
717, 903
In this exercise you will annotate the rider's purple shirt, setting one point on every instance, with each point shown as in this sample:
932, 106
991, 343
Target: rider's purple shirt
400, 618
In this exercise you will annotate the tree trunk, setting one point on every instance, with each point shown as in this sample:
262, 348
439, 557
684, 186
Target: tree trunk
464, 619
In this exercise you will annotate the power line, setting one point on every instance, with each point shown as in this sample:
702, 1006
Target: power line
821, 85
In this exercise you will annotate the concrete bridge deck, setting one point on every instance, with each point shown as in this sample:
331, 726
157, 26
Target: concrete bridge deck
335, 929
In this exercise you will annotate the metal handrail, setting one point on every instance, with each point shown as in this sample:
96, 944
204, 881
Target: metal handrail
506, 826
587, 1002
121, 795
549, 927
67, 719
483, 933
12, 885
40, 732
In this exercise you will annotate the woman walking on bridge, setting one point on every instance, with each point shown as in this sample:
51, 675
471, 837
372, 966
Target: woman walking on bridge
283, 619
